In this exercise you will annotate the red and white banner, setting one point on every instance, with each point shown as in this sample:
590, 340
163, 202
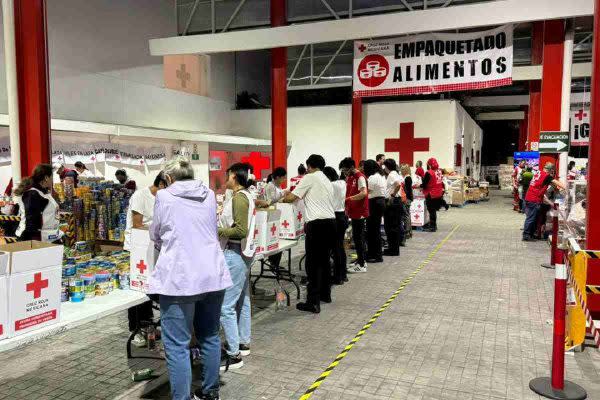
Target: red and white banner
580, 127
433, 62
155, 156
132, 155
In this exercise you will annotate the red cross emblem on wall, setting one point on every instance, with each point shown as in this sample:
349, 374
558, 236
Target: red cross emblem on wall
141, 266
285, 223
273, 230
580, 114
406, 144
37, 285
299, 216
258, 162
362, 48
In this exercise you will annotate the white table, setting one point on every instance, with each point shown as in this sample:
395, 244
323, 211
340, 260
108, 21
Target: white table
277, 272
75, 314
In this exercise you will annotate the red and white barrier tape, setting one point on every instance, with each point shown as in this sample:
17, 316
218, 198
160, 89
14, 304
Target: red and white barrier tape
588, 317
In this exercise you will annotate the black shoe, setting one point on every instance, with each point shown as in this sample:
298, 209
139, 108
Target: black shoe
326, 299
231, 362
403, 243
390, 253
528, 239
345, 279
244, 350
337, 282
313, 308
198, 395
374, 260
446, 207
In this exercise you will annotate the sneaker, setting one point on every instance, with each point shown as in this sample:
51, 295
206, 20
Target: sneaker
139, 340
357, 268
231, 362
199, 396
244, 349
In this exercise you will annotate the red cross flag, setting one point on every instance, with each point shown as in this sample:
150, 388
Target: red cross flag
433, 62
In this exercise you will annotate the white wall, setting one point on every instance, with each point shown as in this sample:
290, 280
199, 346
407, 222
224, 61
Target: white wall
326, 130
222, 77
318, 130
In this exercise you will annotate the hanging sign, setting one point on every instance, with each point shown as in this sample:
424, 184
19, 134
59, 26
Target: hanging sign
132, 155
433, 62
4, 149
580, 128
155, 156
74, 152
554, 142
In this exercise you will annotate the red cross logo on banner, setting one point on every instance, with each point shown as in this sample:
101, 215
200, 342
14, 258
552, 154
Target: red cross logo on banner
255, 233
37, 285
285, 223
362, 47
273, 230
406, 145
299, 216
141, 266
580, 114
258, 162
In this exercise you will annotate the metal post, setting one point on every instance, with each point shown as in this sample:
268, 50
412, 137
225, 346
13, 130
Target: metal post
8, 13
312, 63
350, 9
566, 101
556, 387
554, 243
213, 16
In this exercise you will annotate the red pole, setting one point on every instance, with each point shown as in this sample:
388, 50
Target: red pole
357, 153
593, 178
279, 90
535, 87
32, 82
558, 343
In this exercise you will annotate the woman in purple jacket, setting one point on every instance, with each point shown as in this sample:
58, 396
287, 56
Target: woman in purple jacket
190, 276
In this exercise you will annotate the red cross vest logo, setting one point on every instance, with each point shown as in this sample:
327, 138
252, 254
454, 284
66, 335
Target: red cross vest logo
285, 223
37, 285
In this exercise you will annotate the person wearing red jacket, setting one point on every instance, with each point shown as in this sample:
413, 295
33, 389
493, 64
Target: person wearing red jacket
433, 189
535, 197
357, 209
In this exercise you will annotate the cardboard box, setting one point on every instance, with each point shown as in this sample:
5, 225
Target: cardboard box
143, 256
458, 199
4, 324
291, 222
419, 215
33, 284
266, 231
34, 299
32, 256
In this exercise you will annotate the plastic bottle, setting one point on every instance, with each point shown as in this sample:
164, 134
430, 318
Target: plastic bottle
280, 297
152, 339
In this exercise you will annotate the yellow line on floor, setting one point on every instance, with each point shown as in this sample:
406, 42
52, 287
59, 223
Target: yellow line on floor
319, 381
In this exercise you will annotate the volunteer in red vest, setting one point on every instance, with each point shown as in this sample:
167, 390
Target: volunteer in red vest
420, 172
236, 233
357, 209
516, 177
37, 208
296, 180
317, 192
433, 190
535, 197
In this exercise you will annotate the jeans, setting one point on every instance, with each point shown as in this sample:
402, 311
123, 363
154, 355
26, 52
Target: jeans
229, 316
320, 241
178, 315
531, 215
339, 252
244, 308
374, 248
358, 235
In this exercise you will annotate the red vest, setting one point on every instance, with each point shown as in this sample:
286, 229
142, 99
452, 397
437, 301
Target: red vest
537, 189
435, 186
356, 209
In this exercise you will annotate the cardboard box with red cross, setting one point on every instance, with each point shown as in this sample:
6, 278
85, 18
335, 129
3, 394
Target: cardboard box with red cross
34, 285
143, 256
291, 223
419, 216
266, 230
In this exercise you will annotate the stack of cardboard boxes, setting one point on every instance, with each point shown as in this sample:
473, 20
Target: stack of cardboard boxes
30, 286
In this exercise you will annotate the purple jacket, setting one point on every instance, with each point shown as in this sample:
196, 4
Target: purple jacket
184, 227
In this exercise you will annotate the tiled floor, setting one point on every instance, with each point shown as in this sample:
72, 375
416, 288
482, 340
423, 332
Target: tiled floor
472, 324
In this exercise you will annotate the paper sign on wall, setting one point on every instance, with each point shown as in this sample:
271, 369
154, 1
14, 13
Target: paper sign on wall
155, 156
433, 62
580, 128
